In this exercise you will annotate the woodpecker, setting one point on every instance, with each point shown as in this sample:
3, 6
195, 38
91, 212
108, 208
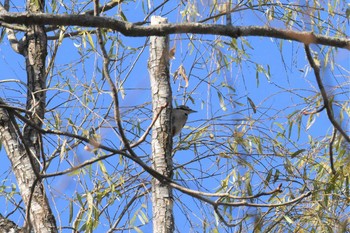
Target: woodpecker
179, 118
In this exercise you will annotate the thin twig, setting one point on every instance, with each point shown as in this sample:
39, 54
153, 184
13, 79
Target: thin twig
143, 137
126, 207
110, 5
117, 115
82, 165
222, 14
149, 14
305, 112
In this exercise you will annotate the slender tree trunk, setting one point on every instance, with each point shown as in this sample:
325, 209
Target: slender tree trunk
158, 65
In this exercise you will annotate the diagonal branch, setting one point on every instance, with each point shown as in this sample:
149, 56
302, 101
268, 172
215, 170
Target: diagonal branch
326, 102
106, 61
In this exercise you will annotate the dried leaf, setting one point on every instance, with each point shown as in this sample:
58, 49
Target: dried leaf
172, 52
181, 72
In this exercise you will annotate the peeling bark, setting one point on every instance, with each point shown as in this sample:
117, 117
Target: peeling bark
41, 217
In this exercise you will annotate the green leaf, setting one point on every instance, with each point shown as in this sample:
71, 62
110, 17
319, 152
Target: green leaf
143, 217
137, 229
276, 176
123, 16
91, 41
268, 177
222, 102
70, 211
279, 125
297, 152
347, 12
257, 75
288, 219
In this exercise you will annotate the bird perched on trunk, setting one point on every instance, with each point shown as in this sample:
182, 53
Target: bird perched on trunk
179, 118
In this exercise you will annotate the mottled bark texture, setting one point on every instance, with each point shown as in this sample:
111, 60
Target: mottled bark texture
158, 65
7, 226
24, 148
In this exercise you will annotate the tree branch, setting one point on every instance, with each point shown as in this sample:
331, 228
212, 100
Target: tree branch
134, 30
326, 102
16, 45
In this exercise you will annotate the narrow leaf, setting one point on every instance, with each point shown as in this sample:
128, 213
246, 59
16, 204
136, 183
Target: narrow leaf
252, 104
222, 102
288, 219
297, 152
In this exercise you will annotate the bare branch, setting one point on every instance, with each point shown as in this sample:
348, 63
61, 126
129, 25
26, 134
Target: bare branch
326, 102
134, 30
117, 117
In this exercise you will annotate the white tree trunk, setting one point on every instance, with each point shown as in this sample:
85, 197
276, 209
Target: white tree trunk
158, 65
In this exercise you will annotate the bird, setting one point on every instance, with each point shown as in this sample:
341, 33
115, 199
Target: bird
179, 118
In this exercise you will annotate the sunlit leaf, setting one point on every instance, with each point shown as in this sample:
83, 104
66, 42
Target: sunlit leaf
311, 120
222, 102
288, 219
91, 41
137, 229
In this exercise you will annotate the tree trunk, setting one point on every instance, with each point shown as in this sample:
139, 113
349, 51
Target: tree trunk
25, 151
158, 65
7, 226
